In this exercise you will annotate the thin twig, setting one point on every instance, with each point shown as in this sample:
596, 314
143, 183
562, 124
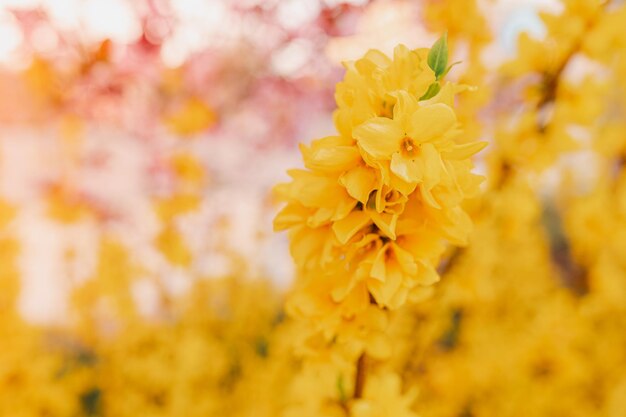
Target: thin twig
359, 379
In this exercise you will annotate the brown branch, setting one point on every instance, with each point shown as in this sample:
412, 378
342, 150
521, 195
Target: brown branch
552, 80
447, 265
574, 275
361, 365
359, 379
619, 164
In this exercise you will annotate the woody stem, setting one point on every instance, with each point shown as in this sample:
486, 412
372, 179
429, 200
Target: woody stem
359, 379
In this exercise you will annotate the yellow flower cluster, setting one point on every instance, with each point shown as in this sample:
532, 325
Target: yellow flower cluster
529, 316
553, 101
369, 215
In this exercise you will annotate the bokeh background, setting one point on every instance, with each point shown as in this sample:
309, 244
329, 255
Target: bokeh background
139, 141
165, 124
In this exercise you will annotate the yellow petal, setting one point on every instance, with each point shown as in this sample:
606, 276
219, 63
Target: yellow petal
385, 222
406, 169
308, 245
397, 183
291, 215
378, 346
460, 228
399, 298
359, 182
315, 190
343, 122
342, 289
431, 122
422, 244
378, 270
432, 165
343, 207
378, 58
383, 291
346, 228
401, 53
464, 151
330, 154
405, 260
419, 294
379, 137
427, 275
445, 96
405, 106
428, 197
319, 217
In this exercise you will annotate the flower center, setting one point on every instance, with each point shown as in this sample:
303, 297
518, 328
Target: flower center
409, 148
386, 109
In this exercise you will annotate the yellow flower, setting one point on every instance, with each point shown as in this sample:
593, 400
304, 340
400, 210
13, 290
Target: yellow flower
366, 89
369, 215
324, 199
330, 155
191, 118
383, 397
415, 142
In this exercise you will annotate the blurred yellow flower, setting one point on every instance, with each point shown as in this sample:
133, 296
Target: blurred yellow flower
193, 117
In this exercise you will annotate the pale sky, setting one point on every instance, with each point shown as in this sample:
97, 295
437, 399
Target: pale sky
201, 22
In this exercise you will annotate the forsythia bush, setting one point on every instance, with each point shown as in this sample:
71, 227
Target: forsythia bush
369, 216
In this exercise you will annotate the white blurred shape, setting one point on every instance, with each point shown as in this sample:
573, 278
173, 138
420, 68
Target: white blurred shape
177, 281
19, 4
289, 59
112, 19
173, 52
209, 11
293, 14
187, 9
44, 38
10, 37
383, 25
147, 297
200, 23
156, 29
44, 290
23, 152
581, 66
215, 265
64, 14
335, 3
53, 257
521, 21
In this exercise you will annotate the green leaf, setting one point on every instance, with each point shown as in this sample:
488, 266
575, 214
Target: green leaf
450, 67
262, 347
432, 91
91, 401
343, 397
438, 56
